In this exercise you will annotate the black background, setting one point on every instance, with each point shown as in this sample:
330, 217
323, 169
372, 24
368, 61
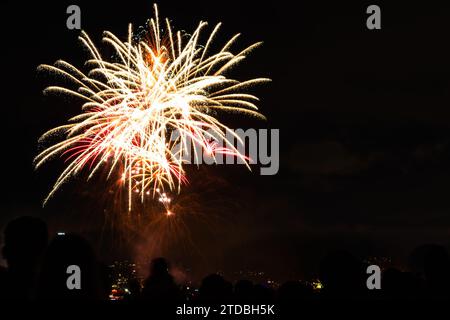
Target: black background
363, 117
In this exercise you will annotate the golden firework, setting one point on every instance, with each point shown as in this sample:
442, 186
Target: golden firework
164, 83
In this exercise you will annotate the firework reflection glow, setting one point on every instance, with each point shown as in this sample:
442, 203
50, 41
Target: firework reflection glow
153, 86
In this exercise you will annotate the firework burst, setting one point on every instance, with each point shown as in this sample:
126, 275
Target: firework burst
164, 83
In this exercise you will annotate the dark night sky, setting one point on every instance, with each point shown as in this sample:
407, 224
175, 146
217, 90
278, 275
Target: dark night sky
364, 118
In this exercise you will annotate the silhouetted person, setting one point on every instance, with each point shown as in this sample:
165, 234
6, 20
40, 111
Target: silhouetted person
342, 275
215, 288
160, 285
25, 240
63, 252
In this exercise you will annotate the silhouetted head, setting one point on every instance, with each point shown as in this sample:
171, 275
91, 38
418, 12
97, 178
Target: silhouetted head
159, 266
214, 287
25, 240
65, 251
160, 286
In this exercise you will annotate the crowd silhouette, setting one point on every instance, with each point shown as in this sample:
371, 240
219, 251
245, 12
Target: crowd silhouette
36, 271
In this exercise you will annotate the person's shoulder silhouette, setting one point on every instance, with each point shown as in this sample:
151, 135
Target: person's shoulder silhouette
25, 240
64, 251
